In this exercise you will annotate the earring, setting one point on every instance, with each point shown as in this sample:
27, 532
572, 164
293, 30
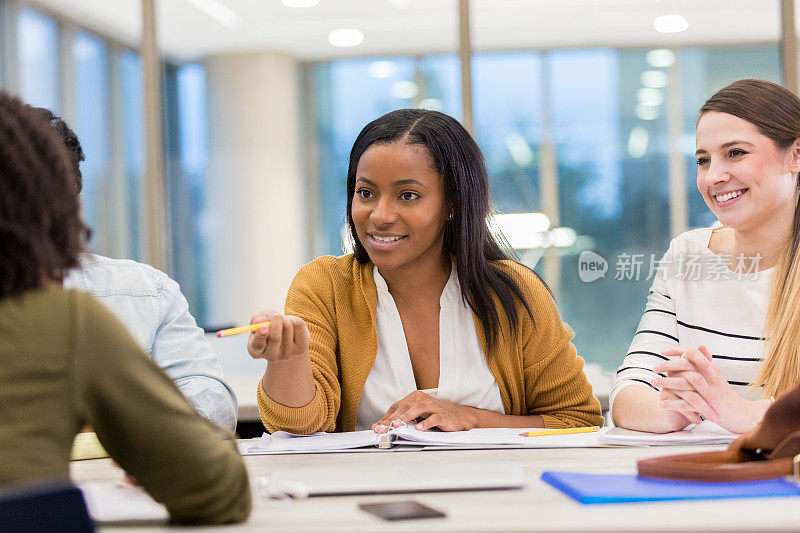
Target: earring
451, 216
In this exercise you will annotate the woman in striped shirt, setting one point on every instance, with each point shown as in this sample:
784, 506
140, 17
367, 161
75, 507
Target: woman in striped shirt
719, 336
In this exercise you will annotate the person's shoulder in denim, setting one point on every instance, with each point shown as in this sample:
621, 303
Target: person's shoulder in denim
156, 313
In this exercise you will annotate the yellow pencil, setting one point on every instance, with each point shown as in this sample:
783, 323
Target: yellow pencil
243, 329
564, 431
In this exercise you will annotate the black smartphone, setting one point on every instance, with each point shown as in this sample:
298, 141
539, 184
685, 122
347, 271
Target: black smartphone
402, 510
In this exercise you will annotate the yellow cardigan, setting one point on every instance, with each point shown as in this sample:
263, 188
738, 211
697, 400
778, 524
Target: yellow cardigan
537, 370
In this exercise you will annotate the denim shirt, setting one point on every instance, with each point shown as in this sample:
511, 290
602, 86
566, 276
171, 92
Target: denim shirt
156, 313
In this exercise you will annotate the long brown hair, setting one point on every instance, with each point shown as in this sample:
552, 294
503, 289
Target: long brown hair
775, 111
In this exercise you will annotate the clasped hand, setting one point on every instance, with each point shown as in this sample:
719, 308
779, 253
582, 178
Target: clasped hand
445, 415
694, 386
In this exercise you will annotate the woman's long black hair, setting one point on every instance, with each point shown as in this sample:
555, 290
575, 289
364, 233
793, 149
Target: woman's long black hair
460, 162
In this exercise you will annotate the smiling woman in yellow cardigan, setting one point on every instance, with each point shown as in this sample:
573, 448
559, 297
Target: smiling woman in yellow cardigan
537, 369
485, 342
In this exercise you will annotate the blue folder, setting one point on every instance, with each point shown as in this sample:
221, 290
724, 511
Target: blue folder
618, 488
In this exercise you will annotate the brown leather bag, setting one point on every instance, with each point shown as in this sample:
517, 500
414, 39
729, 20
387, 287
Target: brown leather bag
771, 449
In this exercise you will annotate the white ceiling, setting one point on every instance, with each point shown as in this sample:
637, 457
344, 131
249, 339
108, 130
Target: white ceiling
420, 26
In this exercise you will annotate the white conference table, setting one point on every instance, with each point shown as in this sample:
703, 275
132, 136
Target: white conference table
537, 507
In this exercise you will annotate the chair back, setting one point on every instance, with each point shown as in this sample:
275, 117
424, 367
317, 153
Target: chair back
51, 507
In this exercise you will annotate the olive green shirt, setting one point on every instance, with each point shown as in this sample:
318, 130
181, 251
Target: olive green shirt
65, 361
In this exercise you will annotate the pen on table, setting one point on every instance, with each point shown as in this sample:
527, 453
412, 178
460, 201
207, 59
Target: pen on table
243, 329
563, 431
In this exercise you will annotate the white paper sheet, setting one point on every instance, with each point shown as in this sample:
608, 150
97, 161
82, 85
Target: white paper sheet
118, 501
705, 433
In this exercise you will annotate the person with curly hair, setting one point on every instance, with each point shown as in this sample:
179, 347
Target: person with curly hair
158, 316
65, 361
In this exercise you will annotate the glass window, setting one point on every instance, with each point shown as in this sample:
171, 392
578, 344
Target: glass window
187, 163
92, 127
705, 71
131, 78
613, 193
3, 53
509, 135
37, 42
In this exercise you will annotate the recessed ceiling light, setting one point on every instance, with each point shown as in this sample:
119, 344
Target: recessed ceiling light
563, 237
646, 112
656, 79
523, 230
519, 149
346, 37
649, 96
660, 58
637, 142
405, 90
670, 24
218, 11
300, 3
382, 69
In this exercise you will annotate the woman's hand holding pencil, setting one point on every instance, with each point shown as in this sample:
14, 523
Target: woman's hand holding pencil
277, 338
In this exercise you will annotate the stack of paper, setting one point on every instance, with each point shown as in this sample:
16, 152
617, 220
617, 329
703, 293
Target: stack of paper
704, 433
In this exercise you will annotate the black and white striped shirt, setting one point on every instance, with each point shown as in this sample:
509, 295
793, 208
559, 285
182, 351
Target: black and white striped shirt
696, 299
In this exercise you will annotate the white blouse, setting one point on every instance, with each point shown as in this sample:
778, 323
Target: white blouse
464, 375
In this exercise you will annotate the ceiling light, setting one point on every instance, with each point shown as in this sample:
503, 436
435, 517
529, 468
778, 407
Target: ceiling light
648, 96
637, 142
646, 112
300, 3
524, 230
670, 24
382, 69
405, 90
218, 11
346, 37
657, 79
661, 58
519, 149
563, 237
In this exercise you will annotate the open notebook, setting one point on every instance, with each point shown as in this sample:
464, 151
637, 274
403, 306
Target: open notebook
282, 442
704, 433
